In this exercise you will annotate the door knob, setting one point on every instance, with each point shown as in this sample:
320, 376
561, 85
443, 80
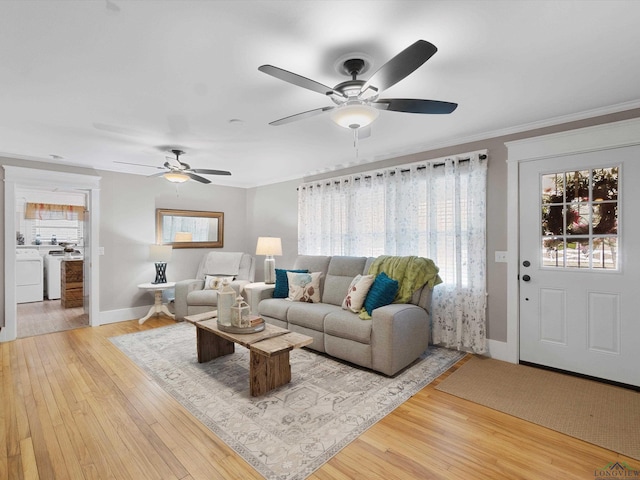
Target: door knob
526, 278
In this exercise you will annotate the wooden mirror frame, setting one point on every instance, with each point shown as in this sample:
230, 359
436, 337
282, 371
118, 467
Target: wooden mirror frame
218, 242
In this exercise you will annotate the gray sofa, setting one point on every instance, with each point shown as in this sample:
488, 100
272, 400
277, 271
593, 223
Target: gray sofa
395, 336
191, 297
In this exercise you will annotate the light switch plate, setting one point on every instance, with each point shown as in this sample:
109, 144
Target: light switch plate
100, 250
501, 257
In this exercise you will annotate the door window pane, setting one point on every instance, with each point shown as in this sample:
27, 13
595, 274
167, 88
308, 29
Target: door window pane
577, 186
605, 218
553, 252
577, 253
579, 219
605, 253
605, 184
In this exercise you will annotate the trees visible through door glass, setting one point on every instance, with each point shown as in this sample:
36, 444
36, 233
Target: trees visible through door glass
579, 219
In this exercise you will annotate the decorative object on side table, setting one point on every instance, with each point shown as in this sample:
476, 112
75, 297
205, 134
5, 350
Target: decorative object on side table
269, 246
160, 255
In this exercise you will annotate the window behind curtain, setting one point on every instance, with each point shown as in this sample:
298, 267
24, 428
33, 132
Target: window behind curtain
401, 211
435, 209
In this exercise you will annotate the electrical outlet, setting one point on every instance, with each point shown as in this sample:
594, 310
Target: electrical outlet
100, 250
501, 257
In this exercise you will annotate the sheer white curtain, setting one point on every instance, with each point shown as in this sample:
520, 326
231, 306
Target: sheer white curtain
435, 209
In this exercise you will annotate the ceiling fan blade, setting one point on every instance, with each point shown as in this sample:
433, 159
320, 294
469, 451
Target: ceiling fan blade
413, 105
157, 174
210, 172
183, 166
137, 164
301, 116
400, 66
298, 80
197, 178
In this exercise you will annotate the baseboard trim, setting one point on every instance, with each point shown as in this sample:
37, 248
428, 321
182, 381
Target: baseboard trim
123, 314
497, 350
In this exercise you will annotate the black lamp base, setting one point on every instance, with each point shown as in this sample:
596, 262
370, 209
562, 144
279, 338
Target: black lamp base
161, 269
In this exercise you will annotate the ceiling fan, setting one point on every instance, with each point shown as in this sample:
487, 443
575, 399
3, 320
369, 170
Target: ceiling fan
180, 172
357, 101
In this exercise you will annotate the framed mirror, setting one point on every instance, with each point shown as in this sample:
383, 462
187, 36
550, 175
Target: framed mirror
189, 228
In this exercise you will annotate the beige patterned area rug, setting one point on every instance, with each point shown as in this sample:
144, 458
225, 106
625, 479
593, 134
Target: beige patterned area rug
592, 411
293, 430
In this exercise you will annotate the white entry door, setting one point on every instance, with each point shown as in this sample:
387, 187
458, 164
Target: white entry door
580, 263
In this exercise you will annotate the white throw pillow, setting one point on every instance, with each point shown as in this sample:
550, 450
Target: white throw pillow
357, 292
214, 282
304, 287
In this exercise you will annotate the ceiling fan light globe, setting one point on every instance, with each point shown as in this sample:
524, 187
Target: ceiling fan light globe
354, 116
176, 177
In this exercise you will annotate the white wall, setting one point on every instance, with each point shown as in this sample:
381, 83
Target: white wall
272, 211
128, 228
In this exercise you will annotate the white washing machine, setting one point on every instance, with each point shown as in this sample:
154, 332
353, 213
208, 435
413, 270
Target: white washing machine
52, 274
29, 276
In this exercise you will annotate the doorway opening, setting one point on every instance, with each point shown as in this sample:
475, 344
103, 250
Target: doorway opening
49, 260
19, 178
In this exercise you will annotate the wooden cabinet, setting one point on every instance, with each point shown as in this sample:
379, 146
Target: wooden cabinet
71, 277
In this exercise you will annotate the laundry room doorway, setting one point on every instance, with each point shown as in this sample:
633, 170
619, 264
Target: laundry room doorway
50, 264
82, 262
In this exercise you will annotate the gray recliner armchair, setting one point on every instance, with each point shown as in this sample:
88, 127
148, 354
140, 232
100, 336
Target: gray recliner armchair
191, 296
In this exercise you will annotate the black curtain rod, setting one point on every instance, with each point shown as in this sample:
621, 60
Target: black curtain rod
436, 165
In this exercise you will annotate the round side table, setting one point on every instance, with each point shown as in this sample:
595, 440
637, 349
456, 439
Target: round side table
158, 307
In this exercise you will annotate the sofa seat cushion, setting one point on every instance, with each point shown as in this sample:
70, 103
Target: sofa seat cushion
347, 325
275, 308
203, 297
310, 315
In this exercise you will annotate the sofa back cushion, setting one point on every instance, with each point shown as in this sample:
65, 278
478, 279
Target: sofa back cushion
314, 263
340, 273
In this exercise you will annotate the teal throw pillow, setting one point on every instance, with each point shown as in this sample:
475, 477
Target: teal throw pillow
281, 289
381, 293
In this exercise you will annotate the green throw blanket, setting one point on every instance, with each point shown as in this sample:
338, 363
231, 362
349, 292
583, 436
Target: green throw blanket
411, 273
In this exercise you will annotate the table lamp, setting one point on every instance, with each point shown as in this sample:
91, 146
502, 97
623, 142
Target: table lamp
160, 254
269, 246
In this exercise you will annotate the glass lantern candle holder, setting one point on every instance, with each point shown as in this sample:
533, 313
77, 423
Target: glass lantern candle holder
240, 313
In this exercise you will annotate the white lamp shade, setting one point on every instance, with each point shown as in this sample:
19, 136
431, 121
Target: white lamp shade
269, 246
183, 237
159, 253
176, 177
354, 116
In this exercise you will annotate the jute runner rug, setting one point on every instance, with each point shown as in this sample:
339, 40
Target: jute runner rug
595, 412
290, 432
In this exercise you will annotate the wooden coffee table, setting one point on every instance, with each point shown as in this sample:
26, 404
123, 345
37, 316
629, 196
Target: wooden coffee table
269, 365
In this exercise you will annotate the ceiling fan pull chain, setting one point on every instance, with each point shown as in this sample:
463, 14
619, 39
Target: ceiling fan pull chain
355, 140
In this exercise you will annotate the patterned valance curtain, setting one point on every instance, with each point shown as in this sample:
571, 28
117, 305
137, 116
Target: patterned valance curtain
50, 211
433, 209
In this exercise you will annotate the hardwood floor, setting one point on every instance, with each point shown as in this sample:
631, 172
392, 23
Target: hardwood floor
73, 406
38, 318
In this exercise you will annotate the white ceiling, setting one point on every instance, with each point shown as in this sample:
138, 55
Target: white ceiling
96, 82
